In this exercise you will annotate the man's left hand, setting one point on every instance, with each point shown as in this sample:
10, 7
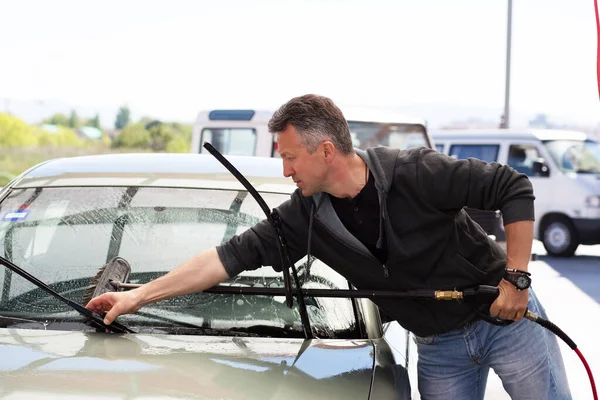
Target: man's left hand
511, 303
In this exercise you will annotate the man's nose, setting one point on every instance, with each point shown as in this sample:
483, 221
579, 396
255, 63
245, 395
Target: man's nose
287, 171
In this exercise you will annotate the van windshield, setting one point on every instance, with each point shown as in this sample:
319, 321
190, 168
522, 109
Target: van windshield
574, 155
396, 135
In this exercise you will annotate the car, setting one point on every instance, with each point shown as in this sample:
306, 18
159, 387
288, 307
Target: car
63, 220
563, 167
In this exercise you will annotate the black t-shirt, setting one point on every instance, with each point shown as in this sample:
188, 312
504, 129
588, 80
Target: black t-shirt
360, 215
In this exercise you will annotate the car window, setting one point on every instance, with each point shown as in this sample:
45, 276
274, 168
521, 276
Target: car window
575, 156
230, 141
522, 156
485, 152
64, 235
395, 135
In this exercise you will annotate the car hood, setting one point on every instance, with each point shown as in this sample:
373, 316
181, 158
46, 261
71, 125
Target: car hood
57, 364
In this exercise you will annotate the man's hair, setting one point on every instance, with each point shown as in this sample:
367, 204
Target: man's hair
316, 118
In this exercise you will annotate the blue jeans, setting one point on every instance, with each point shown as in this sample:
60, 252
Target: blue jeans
526, 357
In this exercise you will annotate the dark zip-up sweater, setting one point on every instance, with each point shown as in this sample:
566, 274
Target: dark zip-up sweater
432, 243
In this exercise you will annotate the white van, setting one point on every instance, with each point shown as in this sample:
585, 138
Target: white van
563, 167
245, 132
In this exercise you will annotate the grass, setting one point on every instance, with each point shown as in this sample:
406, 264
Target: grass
14, 161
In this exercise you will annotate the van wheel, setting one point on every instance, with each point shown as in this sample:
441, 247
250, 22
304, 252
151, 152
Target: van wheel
559, 237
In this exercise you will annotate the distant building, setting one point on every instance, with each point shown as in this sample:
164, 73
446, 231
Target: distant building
90, 132
85, 132
50, 128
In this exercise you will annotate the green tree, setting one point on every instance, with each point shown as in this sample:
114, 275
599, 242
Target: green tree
133, 135
74, 120
95, 121
162, 135
123, 117
57, 119
178, 145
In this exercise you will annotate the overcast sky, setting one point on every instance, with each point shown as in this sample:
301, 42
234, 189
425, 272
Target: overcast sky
172, 58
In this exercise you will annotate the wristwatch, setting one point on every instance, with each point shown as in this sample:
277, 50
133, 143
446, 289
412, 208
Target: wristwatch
519, 278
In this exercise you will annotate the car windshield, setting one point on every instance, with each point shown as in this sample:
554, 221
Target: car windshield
575, 156
400, 136
64, 235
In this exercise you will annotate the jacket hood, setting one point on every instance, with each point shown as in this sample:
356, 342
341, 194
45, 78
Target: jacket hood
382, 162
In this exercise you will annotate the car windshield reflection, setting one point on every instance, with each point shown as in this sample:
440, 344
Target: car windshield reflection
63, 235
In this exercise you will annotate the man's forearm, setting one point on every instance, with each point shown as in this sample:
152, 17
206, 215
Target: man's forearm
519, 239
200, 272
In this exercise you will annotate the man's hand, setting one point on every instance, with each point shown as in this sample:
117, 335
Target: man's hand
511, 303
115, 304
200, 272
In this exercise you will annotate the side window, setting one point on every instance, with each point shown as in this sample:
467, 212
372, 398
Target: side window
522, 156
230, 141
439, 147
485, 152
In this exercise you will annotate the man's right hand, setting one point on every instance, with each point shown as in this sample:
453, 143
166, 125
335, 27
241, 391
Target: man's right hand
200, 272
114, 304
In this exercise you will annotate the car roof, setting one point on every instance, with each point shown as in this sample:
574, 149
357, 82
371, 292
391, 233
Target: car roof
511, 134
157, 170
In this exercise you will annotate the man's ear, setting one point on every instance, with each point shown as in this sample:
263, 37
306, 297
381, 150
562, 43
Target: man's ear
328, 150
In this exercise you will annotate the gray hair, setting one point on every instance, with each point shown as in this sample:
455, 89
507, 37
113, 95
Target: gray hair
316, 118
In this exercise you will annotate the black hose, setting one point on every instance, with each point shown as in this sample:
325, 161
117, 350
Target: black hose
556, 330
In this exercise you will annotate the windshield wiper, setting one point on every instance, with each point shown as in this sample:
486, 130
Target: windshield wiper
275, 221
6, 321
95, 318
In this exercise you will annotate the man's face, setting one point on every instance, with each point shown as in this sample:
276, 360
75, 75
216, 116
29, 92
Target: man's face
307, 170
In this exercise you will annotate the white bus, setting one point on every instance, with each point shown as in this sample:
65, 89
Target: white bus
245, 132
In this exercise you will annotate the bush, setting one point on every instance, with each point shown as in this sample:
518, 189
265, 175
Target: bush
133, 135
15, 132
178, 145
64, 137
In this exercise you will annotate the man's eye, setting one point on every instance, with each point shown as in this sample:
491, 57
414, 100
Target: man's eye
290, 158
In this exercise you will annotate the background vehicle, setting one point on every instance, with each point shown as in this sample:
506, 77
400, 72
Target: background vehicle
245, 132
564, 168
64, 219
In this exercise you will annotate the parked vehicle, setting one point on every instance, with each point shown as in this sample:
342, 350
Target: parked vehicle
245, 132
564, 168
64, 219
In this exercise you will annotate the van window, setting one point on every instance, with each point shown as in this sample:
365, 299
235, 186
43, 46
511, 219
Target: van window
485, 152
439, 147
575, 156
522, 156
230, 141
395, 135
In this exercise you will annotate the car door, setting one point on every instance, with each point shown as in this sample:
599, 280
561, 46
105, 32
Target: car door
521, 156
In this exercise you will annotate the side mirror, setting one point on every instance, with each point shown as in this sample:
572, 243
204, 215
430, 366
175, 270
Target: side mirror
539, 168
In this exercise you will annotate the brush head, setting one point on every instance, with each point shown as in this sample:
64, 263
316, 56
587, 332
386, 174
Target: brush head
117, 269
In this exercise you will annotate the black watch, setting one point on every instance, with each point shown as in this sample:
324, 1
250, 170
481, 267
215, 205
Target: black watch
519, 278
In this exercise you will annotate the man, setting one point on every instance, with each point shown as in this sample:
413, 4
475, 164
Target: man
394, 220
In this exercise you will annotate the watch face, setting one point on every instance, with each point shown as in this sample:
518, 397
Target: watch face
522, 282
